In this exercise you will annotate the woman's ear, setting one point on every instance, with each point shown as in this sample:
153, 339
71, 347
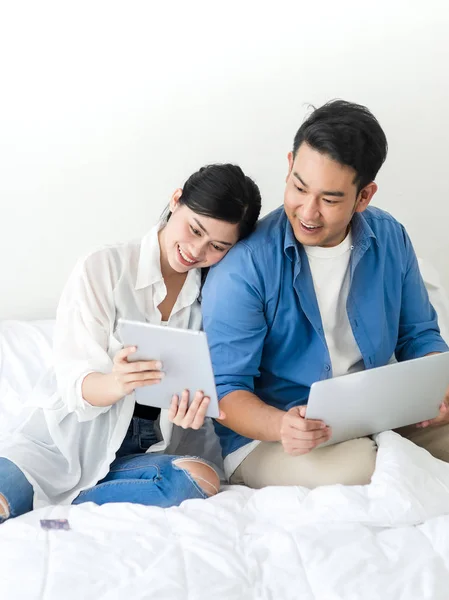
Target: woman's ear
174, 202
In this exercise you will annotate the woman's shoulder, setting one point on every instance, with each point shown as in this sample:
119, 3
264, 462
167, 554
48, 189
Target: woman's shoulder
102, 268
112, 256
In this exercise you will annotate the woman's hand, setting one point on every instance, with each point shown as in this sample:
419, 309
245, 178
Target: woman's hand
105, 389
180, 413
131, 375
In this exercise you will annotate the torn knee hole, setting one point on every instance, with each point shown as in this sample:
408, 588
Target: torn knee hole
204, 475
4, 507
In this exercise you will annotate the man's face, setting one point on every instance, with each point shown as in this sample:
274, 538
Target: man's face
321, 197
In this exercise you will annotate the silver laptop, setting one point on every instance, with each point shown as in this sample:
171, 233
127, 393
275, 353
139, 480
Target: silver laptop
380, 399
185, 361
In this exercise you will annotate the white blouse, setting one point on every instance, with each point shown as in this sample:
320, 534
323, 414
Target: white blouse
67, 445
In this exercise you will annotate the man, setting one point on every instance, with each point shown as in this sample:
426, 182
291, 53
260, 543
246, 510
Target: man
324, 287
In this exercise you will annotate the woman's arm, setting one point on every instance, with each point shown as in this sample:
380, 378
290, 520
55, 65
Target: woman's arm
84, 321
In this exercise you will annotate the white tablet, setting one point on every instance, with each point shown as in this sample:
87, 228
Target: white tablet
376, 400
185, 361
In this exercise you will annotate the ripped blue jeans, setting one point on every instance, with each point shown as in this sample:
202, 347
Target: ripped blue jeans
136, 477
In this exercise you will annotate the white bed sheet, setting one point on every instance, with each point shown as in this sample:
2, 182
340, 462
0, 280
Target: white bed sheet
388, 540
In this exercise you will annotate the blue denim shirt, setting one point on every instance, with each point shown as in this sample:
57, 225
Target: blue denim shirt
263, 323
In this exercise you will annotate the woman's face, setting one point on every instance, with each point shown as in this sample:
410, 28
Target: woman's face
192, 241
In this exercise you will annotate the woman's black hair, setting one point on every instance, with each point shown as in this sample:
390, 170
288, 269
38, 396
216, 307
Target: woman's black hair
350, 134
223, 192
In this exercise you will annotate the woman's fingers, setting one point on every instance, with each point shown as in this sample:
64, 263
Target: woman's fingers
196, 413
180, 413
140, 366
187, 416
200, 415
145, 376
183, 404
172, 411
123, 354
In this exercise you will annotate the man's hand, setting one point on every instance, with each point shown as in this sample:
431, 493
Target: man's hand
443, 417
300, 435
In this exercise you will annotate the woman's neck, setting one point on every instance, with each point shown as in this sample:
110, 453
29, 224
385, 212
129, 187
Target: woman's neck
168, 273
173, 280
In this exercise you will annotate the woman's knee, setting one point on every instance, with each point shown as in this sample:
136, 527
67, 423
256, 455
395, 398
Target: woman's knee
16, 493
204, 475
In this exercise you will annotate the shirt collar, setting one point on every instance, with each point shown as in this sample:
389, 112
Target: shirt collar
361, 234
149, 268
361, 231
290, 242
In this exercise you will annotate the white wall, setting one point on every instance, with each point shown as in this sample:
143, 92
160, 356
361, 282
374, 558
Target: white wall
106, 107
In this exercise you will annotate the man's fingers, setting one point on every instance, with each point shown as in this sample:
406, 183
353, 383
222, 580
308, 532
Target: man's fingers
441, 418
304, 424
312, 434
297, 447
296, 418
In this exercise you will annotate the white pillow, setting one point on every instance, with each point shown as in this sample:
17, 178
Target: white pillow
25, 355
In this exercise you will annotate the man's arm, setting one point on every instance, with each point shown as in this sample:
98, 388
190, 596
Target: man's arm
418, 333
234, 320
235, 324
249, 416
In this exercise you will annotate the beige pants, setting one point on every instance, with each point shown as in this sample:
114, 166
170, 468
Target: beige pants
349, 463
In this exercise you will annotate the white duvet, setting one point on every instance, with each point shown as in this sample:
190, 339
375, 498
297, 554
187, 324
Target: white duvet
387, 540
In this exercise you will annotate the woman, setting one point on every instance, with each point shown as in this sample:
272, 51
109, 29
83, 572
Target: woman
88, 439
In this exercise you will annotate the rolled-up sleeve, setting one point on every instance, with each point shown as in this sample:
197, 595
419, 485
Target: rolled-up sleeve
84, 319
234, 320
418, 333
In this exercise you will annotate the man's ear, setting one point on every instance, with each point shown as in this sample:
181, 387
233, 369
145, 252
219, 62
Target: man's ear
365, 195
291, 160
174, 201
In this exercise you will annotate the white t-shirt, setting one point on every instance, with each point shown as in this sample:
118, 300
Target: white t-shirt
330, 273
67, 445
